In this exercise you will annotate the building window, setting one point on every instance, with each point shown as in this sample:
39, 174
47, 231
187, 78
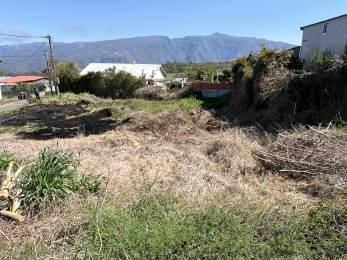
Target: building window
325, 28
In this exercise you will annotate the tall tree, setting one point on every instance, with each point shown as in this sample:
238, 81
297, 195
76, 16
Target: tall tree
67, 69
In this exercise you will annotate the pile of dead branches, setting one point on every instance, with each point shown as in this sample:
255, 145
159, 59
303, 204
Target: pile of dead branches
307, 154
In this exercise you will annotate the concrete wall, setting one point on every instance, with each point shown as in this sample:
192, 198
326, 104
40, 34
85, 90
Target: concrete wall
314, 40
207, 93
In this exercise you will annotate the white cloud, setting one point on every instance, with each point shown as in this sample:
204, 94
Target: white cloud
75, 30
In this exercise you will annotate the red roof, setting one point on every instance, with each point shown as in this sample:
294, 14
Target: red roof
22, 79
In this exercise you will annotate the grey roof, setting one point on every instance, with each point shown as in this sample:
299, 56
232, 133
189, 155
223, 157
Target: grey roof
324, 21
150, 71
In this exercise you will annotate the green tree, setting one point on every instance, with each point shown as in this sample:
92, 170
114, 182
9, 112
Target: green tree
2, 73
68, 73
69, 69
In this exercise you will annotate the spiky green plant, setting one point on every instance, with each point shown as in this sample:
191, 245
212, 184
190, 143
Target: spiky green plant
50, 179
5, 159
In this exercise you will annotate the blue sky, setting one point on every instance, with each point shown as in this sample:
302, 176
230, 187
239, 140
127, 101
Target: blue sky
92, 20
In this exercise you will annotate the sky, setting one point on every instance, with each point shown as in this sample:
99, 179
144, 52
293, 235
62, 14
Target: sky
93, 20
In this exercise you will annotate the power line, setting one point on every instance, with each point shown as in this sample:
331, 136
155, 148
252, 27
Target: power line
21, 36
15, 56
33, 55
25, 57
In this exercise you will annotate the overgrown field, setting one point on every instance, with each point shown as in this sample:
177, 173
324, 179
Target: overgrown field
170, 180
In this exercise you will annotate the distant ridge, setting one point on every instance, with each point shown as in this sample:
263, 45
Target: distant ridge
148, 49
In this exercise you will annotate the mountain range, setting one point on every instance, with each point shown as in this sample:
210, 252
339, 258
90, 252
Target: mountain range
29, 57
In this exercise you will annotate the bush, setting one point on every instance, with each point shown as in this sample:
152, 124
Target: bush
49, 180
109, 84
52, 178
323, 60
121, 84
242, 69
68, 73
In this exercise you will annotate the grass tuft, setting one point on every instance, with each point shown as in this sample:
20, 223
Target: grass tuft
52, 178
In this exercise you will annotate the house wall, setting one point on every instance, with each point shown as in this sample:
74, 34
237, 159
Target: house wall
314, 40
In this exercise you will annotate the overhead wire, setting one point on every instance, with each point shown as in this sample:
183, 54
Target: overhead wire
26, 57
21, 36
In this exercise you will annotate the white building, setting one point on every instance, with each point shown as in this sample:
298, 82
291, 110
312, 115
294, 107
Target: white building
1, 84
150, 71
329, 35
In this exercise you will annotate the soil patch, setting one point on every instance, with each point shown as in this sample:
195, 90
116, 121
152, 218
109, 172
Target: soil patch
59, 121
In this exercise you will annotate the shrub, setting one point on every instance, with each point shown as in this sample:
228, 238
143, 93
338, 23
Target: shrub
121, 84
52, 178
92, 83
68, 73
87, 184
242, 69
323, 60
49, 180
107, 84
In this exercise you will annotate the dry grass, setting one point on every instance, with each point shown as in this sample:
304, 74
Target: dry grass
178, 151
189, 153
318, 155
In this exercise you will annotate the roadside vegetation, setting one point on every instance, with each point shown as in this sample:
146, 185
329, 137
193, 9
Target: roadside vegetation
108, 84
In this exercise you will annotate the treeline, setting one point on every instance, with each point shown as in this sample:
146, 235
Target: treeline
208, 72
108, 84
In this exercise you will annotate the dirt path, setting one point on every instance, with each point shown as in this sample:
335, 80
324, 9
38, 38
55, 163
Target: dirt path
13, 105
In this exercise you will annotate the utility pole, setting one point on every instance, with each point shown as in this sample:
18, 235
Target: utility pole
53, 66
49, 72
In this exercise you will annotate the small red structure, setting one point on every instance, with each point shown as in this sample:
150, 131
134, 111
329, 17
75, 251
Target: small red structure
212, 90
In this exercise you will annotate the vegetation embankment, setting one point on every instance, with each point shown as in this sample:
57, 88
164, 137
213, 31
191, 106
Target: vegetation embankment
270, 89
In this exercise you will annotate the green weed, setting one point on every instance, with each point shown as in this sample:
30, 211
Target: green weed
167, 227
5, 159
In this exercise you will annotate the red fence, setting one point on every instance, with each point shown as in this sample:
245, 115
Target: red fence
211, 86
